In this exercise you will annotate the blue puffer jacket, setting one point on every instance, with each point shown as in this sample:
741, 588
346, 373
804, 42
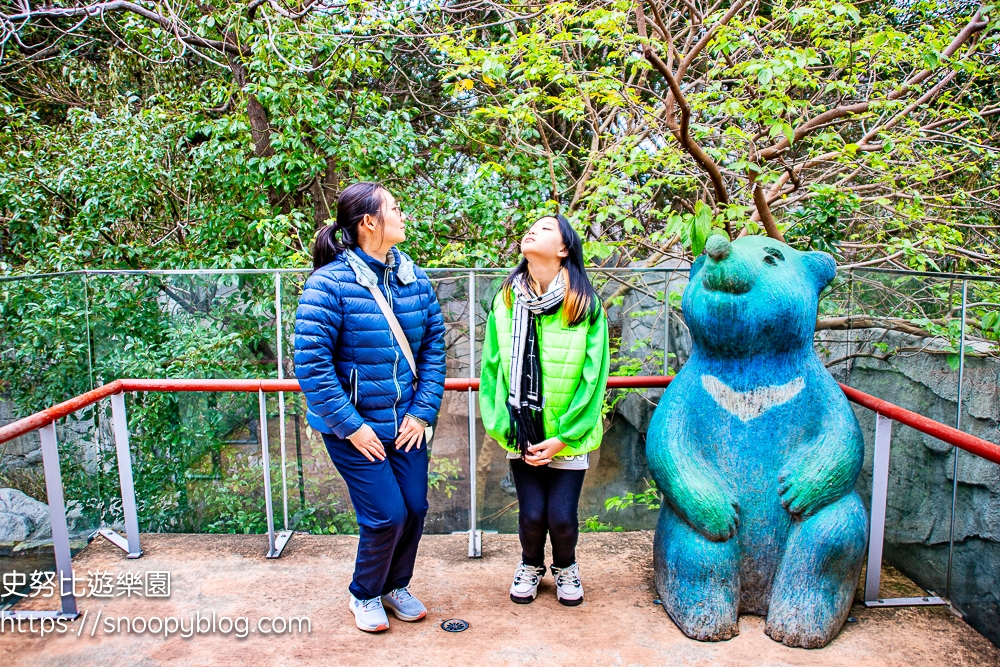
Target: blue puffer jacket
347, 361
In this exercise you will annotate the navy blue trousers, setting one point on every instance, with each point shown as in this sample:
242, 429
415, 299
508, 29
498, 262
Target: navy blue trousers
390, 499
548, 500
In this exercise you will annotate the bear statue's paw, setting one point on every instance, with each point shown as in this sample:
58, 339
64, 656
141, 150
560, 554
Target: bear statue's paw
713, 514
801, 630
710, 627
705, 613
722, 529
803, 493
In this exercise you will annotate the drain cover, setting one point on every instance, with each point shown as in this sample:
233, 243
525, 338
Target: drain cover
454, 625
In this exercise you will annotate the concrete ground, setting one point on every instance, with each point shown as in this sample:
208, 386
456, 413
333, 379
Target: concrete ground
617, 625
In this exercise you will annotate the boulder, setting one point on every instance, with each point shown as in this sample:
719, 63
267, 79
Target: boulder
16, 502
14, 528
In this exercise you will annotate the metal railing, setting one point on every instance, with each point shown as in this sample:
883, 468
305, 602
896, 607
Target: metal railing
45, 420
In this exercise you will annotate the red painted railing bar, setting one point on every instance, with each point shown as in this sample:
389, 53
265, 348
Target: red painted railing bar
960, 439
49, 415
952, 436
210, 385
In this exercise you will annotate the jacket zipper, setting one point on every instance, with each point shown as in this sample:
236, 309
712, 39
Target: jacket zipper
385, 284
354, 386
395, 363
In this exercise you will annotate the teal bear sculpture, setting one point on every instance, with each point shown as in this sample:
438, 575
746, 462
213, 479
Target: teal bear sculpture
757, 451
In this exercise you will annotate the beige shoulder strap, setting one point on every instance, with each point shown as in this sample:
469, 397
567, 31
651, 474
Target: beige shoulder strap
397, 330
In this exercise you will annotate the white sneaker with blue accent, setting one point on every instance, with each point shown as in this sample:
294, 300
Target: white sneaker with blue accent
369, 614
402, 603
569, 589
525, 586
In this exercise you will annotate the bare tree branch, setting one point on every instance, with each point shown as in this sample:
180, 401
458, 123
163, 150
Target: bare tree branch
682, 131
97, 9
974, 26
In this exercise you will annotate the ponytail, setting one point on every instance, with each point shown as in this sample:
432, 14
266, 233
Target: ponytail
326, 247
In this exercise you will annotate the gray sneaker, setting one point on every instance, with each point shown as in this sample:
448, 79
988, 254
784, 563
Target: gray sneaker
525, 586
569, 590
369, 614
402, 603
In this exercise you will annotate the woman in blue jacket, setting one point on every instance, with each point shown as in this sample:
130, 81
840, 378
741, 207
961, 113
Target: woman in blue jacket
361, 394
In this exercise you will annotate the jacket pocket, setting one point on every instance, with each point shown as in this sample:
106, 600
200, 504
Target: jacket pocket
354, 386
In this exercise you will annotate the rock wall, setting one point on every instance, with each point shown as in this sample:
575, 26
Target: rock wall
19, 453
921, 474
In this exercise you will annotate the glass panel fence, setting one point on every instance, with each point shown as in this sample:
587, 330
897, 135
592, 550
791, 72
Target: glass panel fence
976, 554
899, 337
901, 345
45, 358
197, 456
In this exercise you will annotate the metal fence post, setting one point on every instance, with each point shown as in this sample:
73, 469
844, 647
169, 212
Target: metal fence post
956, 450
57, 516
60, 531
120, 422
876, 534
281, 396
475, 535
880, 491
666, 322
276, 543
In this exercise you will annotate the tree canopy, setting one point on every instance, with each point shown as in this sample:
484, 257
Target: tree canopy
164, 134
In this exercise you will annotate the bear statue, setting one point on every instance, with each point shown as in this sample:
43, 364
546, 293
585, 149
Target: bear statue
757, 451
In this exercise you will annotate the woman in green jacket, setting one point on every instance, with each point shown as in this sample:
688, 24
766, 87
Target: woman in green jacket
544, 371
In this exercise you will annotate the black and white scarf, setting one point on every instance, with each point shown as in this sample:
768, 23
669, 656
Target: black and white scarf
525, 401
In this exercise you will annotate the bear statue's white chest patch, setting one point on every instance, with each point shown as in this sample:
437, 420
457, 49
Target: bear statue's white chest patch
747, 405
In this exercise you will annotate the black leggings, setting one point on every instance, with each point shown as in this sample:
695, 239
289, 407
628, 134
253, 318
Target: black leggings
547, 499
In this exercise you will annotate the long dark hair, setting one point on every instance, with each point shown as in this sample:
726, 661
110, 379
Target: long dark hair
581, 300
353, 203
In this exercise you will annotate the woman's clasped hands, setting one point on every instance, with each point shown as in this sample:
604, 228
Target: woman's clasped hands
411, 433
541, 454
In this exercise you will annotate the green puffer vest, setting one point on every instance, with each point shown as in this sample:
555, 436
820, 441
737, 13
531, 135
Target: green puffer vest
564, 351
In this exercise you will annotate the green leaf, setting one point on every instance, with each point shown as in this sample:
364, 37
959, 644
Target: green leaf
701, 227
953, 362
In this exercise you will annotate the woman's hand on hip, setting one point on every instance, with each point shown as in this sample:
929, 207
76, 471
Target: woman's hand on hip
366, 442
410, 433
542, 453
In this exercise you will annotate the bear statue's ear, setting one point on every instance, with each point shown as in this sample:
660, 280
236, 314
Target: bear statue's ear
699, 262
821, 266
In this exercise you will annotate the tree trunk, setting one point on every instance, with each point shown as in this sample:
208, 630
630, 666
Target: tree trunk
260, 127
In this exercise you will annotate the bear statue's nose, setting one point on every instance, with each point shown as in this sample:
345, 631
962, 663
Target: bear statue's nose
726, 269
717, 247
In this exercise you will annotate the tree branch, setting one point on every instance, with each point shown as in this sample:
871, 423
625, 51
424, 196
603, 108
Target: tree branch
765, 214
707, 37
973, 27
866, 322
681, 132
98, 8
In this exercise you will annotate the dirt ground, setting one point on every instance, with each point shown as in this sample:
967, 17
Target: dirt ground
619, 624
